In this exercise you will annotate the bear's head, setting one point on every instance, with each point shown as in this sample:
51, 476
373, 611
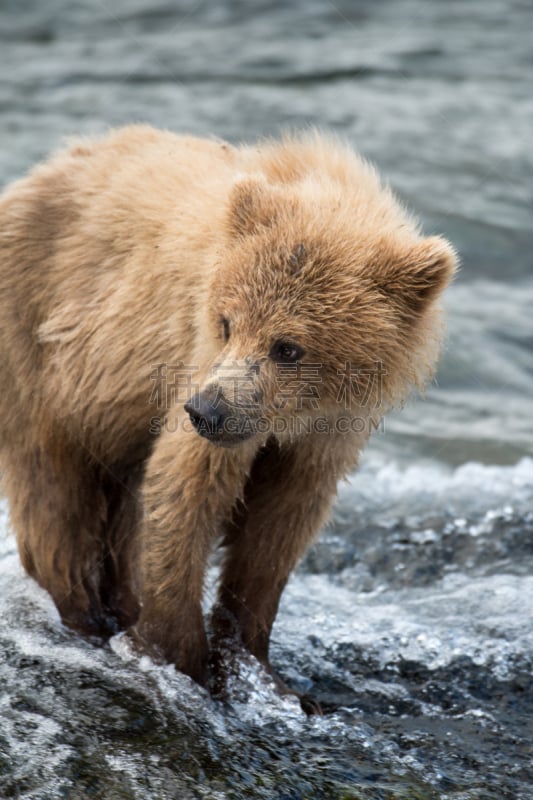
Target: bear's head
323, 305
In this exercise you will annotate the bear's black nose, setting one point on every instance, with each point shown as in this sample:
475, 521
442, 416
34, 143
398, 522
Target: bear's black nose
204, 415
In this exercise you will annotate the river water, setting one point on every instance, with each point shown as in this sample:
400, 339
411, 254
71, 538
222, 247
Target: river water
412, 617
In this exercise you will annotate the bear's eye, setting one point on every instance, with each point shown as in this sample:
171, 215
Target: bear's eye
286, 352
225, 328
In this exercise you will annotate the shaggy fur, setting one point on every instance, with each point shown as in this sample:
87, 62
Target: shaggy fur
145, 249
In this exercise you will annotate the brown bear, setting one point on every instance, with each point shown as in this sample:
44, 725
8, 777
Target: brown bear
196, 340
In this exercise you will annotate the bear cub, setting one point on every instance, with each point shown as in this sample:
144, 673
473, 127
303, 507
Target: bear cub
196, 341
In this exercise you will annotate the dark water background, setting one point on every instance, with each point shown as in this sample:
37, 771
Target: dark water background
413, 615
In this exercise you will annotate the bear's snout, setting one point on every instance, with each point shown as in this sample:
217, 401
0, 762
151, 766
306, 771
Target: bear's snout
206, 414
216, 420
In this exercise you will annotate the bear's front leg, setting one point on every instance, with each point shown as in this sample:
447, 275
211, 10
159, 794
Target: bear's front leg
287, 499
190, 486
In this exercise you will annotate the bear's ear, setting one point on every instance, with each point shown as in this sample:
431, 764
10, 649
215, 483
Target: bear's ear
252, 206
421, 273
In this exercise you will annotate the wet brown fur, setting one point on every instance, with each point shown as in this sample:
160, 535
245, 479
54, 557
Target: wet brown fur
120, 254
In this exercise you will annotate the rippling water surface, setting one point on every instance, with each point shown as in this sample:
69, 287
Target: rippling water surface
412, 618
